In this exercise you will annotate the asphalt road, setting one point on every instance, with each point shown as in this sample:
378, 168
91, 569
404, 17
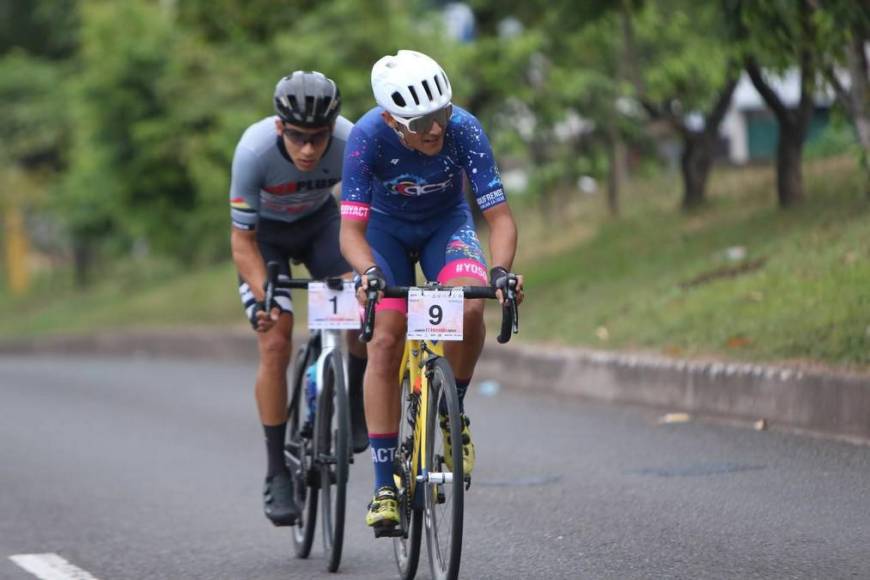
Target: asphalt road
149, 468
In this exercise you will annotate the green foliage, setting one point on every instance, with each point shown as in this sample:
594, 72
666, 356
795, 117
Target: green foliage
682, 54
34, 119
46, 28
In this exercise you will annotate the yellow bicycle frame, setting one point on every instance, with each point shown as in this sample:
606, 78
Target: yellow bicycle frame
414, 360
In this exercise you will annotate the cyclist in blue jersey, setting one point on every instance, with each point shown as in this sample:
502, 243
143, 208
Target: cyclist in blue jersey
283, 210
402, 194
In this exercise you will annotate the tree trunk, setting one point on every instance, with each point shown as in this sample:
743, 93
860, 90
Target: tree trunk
859, 105
789, 179
793, 125
616, 160
854, 98
862, 126
696, 162
83, 259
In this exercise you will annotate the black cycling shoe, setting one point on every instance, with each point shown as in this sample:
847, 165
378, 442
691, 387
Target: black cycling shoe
358, 428
278, 502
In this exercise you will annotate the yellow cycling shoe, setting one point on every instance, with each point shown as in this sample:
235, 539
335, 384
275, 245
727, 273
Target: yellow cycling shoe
467, 445
383, 511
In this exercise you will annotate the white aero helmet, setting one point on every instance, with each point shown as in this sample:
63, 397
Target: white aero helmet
410, 84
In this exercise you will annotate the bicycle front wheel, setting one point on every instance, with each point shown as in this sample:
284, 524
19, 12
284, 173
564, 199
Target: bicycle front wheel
407, 546
444, 487
299, 460
332, 449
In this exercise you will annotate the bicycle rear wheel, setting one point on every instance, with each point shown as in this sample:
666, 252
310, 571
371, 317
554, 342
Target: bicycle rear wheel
407, 547
443, 492
298, 457
332, 449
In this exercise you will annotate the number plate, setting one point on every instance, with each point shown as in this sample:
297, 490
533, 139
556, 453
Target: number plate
332, 308
435, 314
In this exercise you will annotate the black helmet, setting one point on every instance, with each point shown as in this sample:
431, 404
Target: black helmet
307, 99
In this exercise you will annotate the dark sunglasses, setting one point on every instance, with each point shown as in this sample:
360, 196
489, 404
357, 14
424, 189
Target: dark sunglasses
423, 123
299, 138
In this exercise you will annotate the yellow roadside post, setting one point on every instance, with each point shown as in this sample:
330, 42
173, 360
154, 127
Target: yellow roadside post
17, 249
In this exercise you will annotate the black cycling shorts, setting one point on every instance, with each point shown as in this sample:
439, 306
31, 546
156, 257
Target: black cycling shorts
312, 241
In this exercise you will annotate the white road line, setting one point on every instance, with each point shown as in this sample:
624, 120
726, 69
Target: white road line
50, 567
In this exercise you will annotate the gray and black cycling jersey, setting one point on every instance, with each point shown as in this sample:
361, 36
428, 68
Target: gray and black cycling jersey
266, 184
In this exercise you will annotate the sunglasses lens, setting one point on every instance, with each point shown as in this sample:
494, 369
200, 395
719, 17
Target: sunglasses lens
318, 138
299, 138
424, 124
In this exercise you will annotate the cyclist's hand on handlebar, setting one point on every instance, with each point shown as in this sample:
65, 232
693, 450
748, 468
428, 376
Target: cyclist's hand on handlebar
500, 279
372, 279
260, 320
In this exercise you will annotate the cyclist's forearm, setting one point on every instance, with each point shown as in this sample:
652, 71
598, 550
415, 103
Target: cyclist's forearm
502, 236
354, 246
248, 261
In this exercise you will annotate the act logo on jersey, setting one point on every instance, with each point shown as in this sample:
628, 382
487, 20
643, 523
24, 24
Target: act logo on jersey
408, 186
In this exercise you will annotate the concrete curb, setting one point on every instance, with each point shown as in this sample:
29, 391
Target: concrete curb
810, 400
819, 401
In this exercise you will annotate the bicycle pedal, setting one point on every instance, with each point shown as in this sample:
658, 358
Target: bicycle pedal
467, 479
393, 531
441, 498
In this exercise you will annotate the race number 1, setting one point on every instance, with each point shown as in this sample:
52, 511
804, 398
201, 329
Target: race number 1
332, 308
435, 314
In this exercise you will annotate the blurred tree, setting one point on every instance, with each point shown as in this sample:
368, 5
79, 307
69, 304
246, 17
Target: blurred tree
685, 73
126, 177
844, 34
571, 87
239, 21
777, 35
48, 28
34, 119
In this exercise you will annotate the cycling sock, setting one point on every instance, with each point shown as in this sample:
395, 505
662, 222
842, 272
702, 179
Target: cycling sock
275, 449
356, 369
383, 451
461, 389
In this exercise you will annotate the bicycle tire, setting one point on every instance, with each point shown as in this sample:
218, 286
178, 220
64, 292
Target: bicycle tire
298, 456
332, 448
444, 502
406, 548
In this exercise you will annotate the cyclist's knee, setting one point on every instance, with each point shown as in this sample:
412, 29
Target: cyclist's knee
387, 342
473, 311
274, 346
389, 339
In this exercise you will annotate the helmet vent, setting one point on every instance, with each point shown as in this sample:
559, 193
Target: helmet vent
414, 94
428, 90
438, 85
397, 98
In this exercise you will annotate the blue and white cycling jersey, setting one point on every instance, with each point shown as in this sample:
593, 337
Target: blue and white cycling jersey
383, 176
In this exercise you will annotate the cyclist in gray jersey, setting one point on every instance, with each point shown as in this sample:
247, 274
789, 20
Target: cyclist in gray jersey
282, 208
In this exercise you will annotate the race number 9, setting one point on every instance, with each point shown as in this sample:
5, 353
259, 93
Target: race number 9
436, 315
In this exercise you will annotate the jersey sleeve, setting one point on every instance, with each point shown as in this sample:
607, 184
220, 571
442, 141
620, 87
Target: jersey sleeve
479, 164
357, 176
245, 189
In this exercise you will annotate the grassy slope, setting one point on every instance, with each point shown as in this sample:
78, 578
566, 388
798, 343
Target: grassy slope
613, 283
621, 286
